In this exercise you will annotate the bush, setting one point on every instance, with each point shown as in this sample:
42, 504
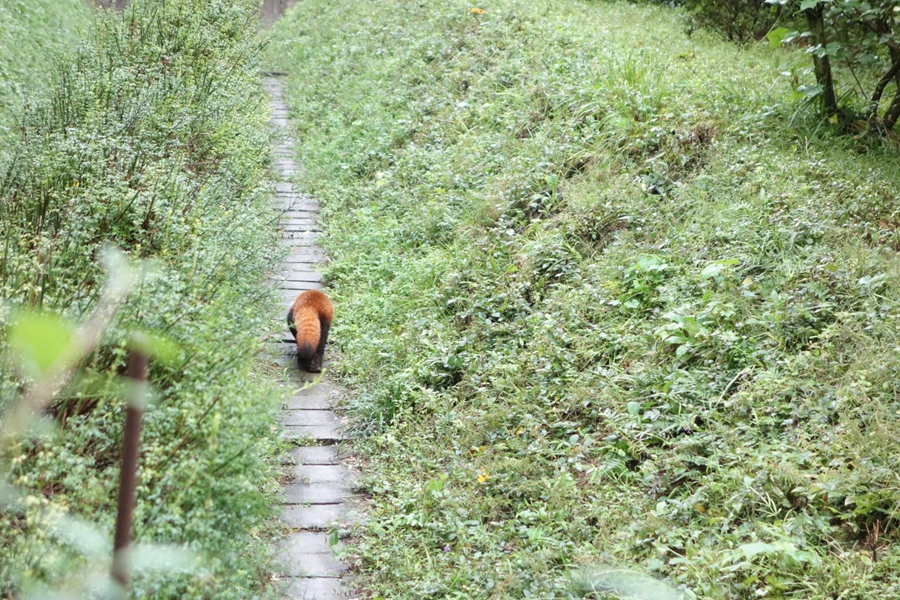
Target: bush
153, 137
737, 20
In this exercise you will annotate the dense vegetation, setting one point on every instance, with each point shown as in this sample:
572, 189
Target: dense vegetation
854, 46
151, 136
606, 296
31, 33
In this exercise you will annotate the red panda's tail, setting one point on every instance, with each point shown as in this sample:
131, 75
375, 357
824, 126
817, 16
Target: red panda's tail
306, 320
310, 319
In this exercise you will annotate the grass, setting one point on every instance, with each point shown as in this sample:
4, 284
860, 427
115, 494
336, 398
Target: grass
606, 296
152, 135
32, 33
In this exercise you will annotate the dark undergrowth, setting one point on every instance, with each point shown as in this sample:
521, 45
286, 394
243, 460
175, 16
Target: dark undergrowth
152, 136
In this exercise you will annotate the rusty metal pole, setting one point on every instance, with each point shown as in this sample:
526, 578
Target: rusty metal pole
137, 374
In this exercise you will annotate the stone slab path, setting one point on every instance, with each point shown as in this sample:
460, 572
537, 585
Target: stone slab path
319, 497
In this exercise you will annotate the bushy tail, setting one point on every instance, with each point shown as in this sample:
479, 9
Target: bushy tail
306, 320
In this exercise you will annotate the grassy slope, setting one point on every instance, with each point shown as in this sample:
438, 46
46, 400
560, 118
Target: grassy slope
555, 364
31, 32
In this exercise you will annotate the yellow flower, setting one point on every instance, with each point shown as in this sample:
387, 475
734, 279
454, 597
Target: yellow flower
476, 11
485, 475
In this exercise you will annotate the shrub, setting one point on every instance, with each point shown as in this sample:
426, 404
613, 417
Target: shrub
737, 20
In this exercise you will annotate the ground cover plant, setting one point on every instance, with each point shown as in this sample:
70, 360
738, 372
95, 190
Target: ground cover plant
152, 137
605, 296
32, 32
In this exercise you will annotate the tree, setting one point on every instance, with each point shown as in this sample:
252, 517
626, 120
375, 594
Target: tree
861, 34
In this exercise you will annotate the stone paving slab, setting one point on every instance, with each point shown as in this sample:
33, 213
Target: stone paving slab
299, 272
300, 284
315, 516
313, 402
292, 216
299, 239
310, 417
324, 492
296, 205
298, 268
299, 224
320, 433
316, 455
316, 588
312, 474
289, 212
295, 277
301, 230
321, 395
300, 259
288, 296
307, 554
297, 375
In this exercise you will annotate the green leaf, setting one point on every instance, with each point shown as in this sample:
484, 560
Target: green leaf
873, 281
833, 49
39, 339
714, 269
164, 558
156, 345
752, 549
807, 4
776, 36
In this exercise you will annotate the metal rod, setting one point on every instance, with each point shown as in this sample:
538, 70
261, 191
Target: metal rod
137, 373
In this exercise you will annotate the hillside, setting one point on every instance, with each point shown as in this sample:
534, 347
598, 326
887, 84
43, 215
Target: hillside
606, 296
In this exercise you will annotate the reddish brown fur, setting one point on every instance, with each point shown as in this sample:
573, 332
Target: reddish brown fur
309, 319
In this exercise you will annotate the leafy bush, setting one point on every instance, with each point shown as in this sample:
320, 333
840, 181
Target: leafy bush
737, 20
863, 36
152, 137
600, 302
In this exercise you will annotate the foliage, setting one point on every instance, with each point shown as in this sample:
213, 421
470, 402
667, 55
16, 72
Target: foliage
152, 136
32, 32
600, 301
737, 20
863, 35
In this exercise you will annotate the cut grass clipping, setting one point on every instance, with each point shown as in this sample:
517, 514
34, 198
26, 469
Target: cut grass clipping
152, 137
602, 302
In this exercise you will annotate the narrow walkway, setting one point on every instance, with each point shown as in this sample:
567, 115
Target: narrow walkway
319, 494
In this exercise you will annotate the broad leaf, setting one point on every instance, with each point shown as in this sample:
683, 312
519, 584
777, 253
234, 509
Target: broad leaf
39, 339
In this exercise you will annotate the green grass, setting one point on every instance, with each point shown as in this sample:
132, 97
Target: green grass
604, 295
151, 136
32, 34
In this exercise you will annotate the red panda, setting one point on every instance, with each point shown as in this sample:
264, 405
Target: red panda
309, 319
